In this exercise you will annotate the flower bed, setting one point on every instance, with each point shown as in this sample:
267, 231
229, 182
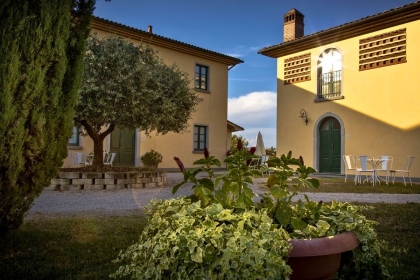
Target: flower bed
77, 180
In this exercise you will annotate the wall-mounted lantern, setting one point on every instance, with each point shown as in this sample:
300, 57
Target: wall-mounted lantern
304, 116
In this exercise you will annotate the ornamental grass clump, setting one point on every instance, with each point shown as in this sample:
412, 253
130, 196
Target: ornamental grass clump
223, 230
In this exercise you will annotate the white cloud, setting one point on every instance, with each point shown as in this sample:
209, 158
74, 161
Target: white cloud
255, 112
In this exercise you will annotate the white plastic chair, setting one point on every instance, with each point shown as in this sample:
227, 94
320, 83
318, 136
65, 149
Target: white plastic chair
350, 164
404, 169
263, 161
384, 166
362, 167
73, 158
109, 158
87, 159
78, 159
255, 162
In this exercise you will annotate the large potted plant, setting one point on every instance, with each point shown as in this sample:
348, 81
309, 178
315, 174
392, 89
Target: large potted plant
151, 159
223, 230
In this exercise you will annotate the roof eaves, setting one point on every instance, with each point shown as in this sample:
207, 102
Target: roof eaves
234, 126
368, 24
158, 40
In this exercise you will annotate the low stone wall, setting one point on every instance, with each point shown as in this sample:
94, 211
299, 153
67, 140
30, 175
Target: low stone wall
110, 180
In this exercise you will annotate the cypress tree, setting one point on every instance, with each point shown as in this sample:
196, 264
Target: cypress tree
41, 62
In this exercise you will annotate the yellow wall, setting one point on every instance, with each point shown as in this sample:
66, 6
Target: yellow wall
380, 109
212, 111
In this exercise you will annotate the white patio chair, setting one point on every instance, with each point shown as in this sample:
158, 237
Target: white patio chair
73, 158
384, 166
87, 159
263, 161
255, 162
404, 169
350, 164
362, 167
109, 158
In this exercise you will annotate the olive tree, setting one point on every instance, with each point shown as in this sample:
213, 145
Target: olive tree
128, 86
41, 62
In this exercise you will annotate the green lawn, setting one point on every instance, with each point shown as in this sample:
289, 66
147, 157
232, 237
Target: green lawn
337, 185
67, 248
400, 226
82, 248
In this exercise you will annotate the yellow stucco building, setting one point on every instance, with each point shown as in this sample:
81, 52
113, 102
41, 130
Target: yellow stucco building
357, 85
209, 127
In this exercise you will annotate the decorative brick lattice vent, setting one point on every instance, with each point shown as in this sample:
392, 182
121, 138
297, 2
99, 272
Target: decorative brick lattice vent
297, 69
382, 50
109, 181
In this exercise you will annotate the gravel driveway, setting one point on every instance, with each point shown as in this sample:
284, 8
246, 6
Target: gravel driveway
131, 201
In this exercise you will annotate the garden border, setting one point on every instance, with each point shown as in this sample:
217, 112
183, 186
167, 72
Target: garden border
69, 181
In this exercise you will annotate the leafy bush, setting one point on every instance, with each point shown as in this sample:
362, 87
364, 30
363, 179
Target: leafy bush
151, 158
185, 241
220, 232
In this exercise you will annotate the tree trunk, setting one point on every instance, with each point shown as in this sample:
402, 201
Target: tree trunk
98, 153
98, 140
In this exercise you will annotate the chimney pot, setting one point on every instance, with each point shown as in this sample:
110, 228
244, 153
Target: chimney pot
293, 26
149, 29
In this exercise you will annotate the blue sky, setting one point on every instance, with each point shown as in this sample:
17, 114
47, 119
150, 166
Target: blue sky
240, 28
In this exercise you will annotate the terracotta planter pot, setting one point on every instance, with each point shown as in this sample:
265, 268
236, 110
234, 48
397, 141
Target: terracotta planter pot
152, 166
319, 258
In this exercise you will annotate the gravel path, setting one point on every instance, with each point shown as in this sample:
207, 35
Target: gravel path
132, 201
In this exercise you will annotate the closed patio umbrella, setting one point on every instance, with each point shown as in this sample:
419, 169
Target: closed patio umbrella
260, 145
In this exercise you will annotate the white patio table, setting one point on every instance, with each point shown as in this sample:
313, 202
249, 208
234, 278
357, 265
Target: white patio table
375, 163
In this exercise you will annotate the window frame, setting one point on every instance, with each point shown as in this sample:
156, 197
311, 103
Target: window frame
197, 75
335, 76
77, 142
196, 137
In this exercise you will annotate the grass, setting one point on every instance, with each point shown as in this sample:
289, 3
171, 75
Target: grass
399, 224
337, 185
67, 248
83, 247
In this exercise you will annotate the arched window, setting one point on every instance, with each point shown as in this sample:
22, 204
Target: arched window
329, 74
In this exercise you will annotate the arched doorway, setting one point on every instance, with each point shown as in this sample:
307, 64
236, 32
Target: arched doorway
330, 146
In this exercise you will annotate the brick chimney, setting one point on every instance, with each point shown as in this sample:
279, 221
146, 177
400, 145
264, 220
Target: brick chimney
293, 25
150, 29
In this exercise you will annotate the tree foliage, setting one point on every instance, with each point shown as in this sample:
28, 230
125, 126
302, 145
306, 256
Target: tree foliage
234, 143
271, 151
41, 52
130, 87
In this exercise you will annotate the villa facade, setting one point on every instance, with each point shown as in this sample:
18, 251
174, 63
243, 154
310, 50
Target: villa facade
209, 127
353, 89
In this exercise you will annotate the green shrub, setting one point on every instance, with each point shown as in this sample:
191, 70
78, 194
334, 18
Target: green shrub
185, 241
41, 52
151, 159
220, 232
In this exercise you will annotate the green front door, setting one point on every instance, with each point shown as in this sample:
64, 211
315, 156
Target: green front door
330, 146
122, 143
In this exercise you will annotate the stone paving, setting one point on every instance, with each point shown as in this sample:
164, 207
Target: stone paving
121, 202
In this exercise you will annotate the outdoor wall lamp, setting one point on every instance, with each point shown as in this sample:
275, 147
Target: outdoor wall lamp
304, 116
